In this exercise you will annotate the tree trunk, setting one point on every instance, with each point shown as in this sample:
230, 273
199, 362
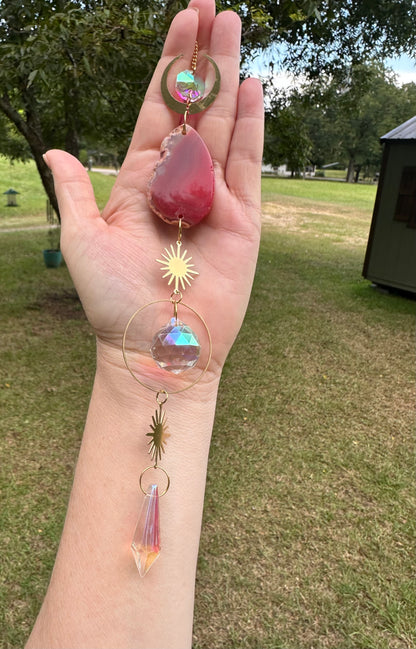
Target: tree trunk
72, 142
32, 133
357, 173
47, 179
350, 172
71, 114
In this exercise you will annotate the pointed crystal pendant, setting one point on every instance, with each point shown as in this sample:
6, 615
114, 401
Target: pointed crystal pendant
146, 540
175, 347
182, 185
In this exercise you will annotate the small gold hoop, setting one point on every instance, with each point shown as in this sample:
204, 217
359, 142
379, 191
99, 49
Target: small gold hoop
156, 468
146, 385
159, 400
185, 118
176, 296
179, 241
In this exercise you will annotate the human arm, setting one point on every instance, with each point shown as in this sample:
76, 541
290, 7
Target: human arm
96, 597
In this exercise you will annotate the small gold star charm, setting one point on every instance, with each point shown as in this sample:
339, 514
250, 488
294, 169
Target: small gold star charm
177, 266
158, 435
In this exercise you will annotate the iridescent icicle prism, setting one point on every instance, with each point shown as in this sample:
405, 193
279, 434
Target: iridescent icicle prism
146, 539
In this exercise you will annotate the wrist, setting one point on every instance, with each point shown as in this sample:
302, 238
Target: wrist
141, 379
106, 498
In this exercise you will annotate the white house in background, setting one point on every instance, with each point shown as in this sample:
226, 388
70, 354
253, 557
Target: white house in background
281, 170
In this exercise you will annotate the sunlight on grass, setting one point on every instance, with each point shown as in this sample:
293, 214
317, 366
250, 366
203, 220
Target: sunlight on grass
309, 511
31, 200
341, 194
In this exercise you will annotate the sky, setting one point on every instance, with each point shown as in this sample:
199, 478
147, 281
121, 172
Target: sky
404, 67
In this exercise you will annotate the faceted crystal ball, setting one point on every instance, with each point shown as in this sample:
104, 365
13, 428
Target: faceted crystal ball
175, 347
188, 86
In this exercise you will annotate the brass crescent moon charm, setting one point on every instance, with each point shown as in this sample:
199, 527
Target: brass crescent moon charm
197, 106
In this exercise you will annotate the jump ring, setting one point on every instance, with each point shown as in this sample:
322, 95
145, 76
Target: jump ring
158, 399
156, 468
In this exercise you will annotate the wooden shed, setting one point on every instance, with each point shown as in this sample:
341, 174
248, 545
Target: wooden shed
390, 259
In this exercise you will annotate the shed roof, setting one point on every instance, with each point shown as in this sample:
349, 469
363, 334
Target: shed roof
406, 131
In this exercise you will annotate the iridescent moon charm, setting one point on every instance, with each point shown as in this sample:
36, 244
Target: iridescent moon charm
194, 107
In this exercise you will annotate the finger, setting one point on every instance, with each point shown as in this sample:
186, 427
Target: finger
73, 189
243, 170
206, 13
156, 119
216, 125
190, 25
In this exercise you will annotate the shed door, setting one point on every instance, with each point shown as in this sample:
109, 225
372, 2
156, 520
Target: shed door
392, 260
406, 200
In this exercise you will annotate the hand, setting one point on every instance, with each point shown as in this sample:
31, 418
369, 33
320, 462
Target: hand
111, 256
94, 597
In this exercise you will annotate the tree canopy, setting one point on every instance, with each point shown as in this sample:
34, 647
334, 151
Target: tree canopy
338, 118
327, 34
73, 72
77, 70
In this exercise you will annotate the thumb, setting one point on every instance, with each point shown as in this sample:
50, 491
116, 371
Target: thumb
80, 217
73, 188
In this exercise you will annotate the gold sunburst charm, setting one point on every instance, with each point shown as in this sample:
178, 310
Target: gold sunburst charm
158, 435
177, 266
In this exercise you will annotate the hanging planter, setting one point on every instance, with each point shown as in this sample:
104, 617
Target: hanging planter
52, 258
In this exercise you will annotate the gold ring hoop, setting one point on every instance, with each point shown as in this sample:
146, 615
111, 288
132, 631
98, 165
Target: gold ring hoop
196, 106
156, 468
158, 390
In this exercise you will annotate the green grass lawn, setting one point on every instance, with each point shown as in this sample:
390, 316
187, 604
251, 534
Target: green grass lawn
344, 194
308, 530
31, 200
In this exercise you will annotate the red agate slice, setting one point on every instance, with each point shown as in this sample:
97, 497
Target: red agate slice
182, 185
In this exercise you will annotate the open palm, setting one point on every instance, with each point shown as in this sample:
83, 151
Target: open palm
111, 256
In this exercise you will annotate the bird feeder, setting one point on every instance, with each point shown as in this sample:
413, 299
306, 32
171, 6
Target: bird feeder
11, 197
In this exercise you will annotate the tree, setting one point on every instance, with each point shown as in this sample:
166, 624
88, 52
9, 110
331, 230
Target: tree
69, 66
13, 145
339, 118
348, 113
287, 139
351, 32
328, 34
268, 21
327, 40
